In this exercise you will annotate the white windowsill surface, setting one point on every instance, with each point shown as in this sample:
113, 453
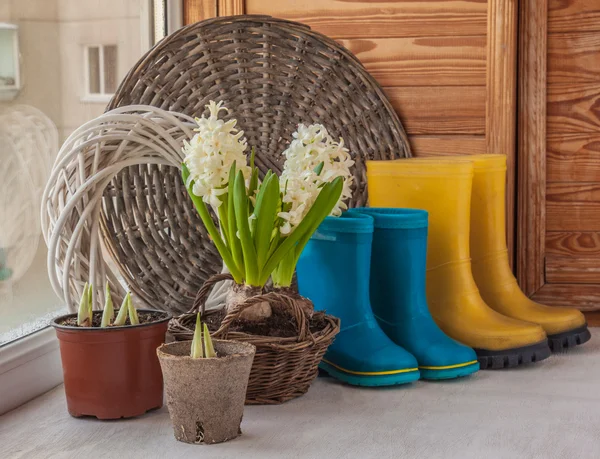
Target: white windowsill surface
543, 411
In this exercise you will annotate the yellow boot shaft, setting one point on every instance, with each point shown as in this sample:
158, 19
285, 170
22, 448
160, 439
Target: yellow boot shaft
491, 270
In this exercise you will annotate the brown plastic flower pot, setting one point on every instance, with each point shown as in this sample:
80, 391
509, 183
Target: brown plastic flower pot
112, 372
206, 397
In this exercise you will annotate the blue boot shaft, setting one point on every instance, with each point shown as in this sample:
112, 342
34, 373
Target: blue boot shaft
398, 298
333, 272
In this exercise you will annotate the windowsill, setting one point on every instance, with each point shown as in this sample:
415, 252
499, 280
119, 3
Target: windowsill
97, 98
549, 409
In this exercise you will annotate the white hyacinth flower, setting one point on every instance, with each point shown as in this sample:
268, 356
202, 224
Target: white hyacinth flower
301, 184
210, 154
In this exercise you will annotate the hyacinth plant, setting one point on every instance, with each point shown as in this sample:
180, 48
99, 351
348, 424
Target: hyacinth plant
85, 312
263, 225
313, 160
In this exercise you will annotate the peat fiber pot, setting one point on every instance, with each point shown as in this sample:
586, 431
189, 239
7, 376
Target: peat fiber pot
205, 397
284, 366
112, 372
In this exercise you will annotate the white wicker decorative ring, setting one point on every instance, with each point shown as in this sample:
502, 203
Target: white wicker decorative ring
72, 201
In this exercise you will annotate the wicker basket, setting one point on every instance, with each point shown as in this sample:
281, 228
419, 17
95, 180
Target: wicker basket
283, 368
272, 74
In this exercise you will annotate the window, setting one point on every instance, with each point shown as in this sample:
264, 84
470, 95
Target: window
70, 69
100, 72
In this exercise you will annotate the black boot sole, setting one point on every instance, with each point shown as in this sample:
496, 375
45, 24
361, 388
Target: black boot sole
566, 340
510, 358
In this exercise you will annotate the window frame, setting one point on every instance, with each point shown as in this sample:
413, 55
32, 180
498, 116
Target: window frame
29, 366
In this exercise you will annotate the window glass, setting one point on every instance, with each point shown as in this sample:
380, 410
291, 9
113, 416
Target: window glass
94, 69
110, 69
60, 60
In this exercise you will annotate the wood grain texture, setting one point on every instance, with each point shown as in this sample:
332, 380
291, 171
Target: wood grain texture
440, 110
441, 145
198, 10
573, 206
593, 318
570, 15
573, 157
500, 129
531, 218
574, 57
574, 108
585, 297
367, 19
572, 270
230, 7
573, 243
423, 61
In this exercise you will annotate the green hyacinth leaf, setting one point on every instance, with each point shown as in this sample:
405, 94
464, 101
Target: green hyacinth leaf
240, 200
209, 224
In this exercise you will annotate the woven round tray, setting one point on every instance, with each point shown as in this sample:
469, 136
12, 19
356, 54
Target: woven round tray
272, 75
283, 368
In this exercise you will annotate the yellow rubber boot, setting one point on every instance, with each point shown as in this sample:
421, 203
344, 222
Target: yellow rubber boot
565, 327
443, 188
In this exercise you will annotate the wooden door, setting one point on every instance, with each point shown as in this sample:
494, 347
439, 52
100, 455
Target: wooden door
447, 66
559, 205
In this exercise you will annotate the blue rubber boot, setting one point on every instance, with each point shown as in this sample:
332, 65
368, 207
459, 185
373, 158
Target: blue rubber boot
333, 272
398, 267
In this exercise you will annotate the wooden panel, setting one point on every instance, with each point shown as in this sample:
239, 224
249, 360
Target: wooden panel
574, 108
573, 157
365, 19
500, 129
447, 145
574, 57
230, 7
569, 15
573, 270
581, 296
424, 61
531, 118
440, 110
573, 206
593, 318
198, 10
573, 244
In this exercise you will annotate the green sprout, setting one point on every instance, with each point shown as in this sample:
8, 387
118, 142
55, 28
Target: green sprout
209, 349
85, 314
90, 293
108, 314
202, 345
133, 315
122, 315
